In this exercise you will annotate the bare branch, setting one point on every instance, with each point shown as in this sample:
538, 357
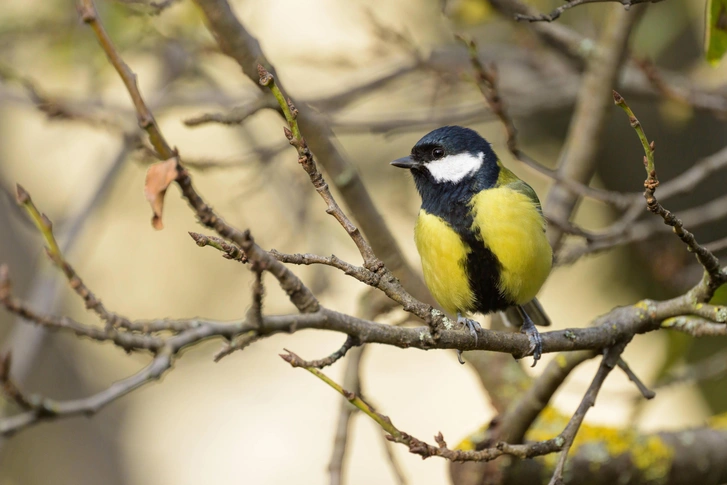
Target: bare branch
709, 262
231, 251
9, 388
45, 409
695, 326
54, 107
645, 391
610, 358
235, 41
154, 8
44, 225
331, 359
574, 3
577, 157
425, 450
487, 81
351, 380
205, 214
236, 115
515, 422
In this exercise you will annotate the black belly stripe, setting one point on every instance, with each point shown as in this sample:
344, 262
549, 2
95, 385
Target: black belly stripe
483, 273
482, 266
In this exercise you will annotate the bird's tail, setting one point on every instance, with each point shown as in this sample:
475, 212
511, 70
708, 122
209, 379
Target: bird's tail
534, 310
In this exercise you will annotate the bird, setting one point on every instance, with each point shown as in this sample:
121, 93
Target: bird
480, 232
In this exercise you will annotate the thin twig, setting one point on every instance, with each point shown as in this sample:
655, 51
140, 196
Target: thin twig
306, 160
645, 391
331, 359
8, 387
205, 214
236, 115
609, 361
709, 261
518, 418
351, 380
712, 211
155, 8
45, 227
230, 251
487, 82
574, 3
236, 41
425, 450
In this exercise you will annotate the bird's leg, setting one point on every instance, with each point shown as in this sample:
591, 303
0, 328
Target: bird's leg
528, 328
473, 327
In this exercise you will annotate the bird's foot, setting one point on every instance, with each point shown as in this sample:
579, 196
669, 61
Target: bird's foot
473, 327
536, 343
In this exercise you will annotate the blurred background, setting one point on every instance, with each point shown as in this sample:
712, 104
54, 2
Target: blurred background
66, 134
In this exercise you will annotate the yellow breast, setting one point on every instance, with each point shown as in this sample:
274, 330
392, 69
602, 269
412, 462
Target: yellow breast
443, 256
514, 230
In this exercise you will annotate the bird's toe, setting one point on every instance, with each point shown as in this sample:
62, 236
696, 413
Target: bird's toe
536, 343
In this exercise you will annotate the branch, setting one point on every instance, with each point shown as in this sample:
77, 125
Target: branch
236, 115
515, 422
54, 107
710, 263
306, 160
574, 3
45, 409
9, 388
155, 8
380, 279
695, 326
44, 225
577, 157
236, 42
351, 380
331, 359
645, 391
487, 82
561, 442
713, 210
610, 358
205, 214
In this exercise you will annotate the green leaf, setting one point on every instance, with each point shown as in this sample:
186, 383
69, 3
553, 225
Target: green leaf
715, 31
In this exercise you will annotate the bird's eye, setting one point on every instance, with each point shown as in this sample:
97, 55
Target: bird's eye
437, 153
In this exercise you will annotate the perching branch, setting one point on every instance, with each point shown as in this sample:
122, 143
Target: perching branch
618, 325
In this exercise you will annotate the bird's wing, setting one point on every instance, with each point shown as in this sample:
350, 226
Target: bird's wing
525, 189
511, 181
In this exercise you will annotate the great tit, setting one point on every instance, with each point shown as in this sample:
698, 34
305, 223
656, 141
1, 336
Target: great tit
480, 232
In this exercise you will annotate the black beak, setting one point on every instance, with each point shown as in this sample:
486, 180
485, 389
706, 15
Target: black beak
405, 162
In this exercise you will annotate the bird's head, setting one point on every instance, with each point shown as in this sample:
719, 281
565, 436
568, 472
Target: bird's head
451, 155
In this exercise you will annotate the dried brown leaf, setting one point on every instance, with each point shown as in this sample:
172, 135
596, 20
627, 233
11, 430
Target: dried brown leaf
158, 178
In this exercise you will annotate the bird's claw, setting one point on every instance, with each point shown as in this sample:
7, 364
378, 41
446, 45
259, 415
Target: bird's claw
536, 342
473, 327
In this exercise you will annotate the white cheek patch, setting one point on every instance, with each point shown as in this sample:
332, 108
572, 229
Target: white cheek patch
454, 168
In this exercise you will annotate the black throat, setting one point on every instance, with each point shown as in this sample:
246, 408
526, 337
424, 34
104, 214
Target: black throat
451, 202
